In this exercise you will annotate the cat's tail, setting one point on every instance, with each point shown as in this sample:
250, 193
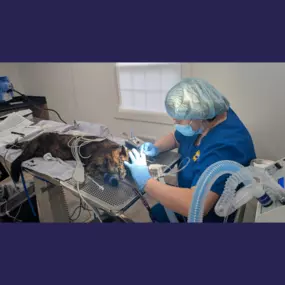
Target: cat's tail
16, 170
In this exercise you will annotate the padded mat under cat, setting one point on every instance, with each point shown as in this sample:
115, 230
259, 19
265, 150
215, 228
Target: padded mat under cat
112, 199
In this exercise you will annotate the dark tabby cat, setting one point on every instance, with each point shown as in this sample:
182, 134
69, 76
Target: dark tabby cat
101, 157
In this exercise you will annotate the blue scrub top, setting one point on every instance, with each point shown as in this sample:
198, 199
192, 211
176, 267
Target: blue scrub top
230, 140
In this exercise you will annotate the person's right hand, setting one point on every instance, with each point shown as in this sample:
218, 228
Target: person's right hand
149, 149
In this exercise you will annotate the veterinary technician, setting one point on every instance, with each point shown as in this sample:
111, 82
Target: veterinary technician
207, 130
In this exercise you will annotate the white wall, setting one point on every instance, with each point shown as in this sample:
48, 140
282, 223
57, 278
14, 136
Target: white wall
87, 91
83, 91
257, 94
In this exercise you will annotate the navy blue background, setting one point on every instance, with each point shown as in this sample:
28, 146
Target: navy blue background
142, 254
142, 30
127, 30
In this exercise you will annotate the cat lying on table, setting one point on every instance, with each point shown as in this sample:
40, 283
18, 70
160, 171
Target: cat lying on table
99, 157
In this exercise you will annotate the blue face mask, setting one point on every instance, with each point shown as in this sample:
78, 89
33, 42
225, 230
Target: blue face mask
187, 131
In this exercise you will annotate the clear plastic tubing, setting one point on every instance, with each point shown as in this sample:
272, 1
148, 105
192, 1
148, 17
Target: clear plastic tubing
226, 205
205, 182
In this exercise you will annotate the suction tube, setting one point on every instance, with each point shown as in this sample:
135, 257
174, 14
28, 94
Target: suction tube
205, 182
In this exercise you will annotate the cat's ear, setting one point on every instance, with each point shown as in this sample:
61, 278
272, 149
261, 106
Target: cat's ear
123, 151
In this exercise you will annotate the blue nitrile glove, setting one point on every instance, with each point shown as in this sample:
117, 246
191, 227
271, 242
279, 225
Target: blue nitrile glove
149, 149
138, 168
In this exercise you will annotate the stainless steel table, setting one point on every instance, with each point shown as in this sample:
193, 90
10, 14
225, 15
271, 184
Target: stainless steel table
112, 201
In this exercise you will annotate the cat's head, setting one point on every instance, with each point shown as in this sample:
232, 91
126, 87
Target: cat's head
115, 161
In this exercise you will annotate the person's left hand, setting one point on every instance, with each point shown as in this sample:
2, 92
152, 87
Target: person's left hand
149, 149
138, 168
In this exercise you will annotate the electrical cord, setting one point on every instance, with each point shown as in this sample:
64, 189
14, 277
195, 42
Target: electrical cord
75, 146
142, 198
80, 207
74, 211
15, 218
10, 216
28, 195
16, 187
170, 166
46, 109
81, 201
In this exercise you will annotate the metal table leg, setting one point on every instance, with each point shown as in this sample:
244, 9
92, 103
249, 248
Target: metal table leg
52, 206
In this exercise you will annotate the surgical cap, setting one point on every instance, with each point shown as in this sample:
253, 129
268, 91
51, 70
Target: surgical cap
195, 99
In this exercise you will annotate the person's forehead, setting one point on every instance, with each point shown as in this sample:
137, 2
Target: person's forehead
184, 121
